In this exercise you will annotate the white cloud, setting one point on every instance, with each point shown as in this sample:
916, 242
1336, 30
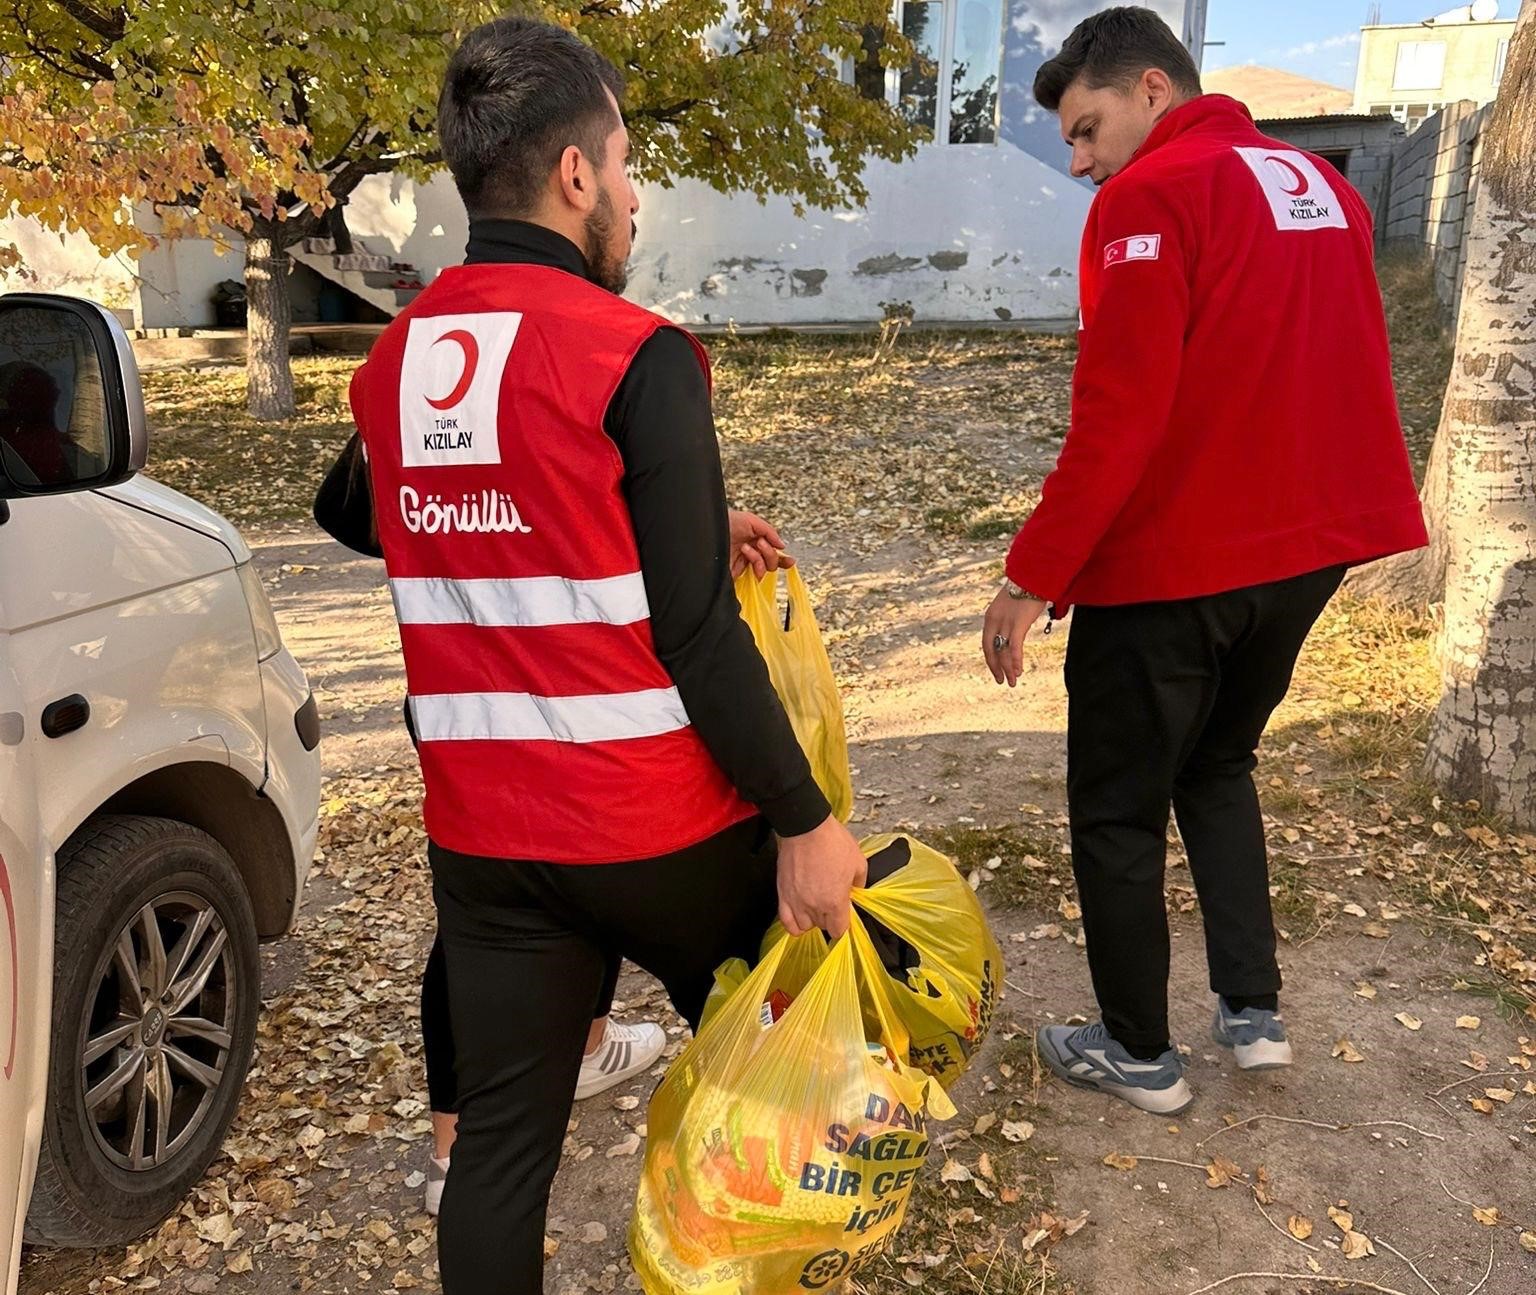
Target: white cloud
1050, 22
1317, 46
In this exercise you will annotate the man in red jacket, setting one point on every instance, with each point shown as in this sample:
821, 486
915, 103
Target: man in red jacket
1234, 448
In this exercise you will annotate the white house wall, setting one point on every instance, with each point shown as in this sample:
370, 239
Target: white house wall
975, 233
179, 277
66, 263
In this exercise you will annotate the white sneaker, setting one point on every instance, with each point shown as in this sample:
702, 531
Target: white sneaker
437, 1175
626, 1051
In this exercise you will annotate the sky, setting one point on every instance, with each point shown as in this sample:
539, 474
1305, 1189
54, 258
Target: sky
1314, 38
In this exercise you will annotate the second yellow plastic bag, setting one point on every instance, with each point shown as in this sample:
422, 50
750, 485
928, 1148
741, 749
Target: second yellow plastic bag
783, 1146
802, 676
946, 988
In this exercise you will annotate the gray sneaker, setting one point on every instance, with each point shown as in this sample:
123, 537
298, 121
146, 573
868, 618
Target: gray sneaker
1256, 1036
1087, 1056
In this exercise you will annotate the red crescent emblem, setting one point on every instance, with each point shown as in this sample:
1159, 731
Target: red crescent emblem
10, 918
1302, 184
471, 349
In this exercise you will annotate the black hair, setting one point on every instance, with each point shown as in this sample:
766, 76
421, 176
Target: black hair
1114, 48
517, 93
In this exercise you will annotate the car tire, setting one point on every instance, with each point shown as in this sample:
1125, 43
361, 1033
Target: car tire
156, 994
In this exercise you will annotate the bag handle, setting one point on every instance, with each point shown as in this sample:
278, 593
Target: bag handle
895, 1035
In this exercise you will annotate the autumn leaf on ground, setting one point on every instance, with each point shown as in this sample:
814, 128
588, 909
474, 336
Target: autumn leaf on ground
1488, 1215
626, 1147
219, 1229
1365, 989
1528, 1241
1356, 1245
1220, 1172
1408, 1021
1342, 1219
954, 1172
1481, 1104
1468, 1022
1116, 1161
1299, 1227
984, 1122
1018, 1130
1345, 1051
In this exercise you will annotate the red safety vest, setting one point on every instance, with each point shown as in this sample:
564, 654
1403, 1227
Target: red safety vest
548, 728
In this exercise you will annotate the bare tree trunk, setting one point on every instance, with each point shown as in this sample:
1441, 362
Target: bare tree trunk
1416, 579
1482, 743
269, 317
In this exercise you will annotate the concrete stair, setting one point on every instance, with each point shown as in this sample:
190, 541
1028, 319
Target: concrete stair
379, 280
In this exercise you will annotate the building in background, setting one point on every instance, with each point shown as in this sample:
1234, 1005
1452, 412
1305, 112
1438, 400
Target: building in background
1412, 70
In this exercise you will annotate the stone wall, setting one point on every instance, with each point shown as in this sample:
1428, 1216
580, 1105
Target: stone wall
1434, 182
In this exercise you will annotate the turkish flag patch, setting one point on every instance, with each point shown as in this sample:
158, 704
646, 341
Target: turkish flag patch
1138, 247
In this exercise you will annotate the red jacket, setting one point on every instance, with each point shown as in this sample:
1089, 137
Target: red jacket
1233, 415
547, 725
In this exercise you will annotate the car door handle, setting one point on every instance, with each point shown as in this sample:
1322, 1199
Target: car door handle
65, 715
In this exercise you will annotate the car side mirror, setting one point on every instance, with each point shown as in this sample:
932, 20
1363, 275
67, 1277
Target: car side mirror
71, 407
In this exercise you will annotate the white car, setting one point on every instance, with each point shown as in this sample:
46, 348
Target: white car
159, 797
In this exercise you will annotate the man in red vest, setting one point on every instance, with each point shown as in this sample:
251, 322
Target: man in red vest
1234, 447
608, 770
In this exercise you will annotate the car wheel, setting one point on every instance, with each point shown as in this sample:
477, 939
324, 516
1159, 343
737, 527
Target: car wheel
155, 999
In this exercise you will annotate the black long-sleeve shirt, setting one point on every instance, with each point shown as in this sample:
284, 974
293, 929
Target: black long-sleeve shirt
661, 422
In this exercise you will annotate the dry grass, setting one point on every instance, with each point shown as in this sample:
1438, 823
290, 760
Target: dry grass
1421, 346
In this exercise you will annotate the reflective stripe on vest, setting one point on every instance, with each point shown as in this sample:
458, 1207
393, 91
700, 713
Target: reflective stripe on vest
527, 602
523, 717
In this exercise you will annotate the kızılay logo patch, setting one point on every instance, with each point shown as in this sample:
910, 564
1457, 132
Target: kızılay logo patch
1300, 196
450, 388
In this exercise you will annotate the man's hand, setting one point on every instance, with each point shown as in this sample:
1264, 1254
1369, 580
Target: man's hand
817, 874
755, 544
1010, 619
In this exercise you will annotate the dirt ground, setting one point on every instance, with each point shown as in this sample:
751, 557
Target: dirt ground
1394, 1156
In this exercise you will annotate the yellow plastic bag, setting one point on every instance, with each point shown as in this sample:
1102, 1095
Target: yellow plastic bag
802, 676
944, 1000
783, 1144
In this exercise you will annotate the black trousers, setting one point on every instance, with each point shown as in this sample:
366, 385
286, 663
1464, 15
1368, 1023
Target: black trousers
527, 950
1166, 705
437, 1026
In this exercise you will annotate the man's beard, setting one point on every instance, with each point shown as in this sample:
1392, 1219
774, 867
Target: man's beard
608, 271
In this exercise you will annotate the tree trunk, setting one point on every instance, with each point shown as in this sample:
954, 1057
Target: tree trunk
1416, 579
1482, 743
269, 318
